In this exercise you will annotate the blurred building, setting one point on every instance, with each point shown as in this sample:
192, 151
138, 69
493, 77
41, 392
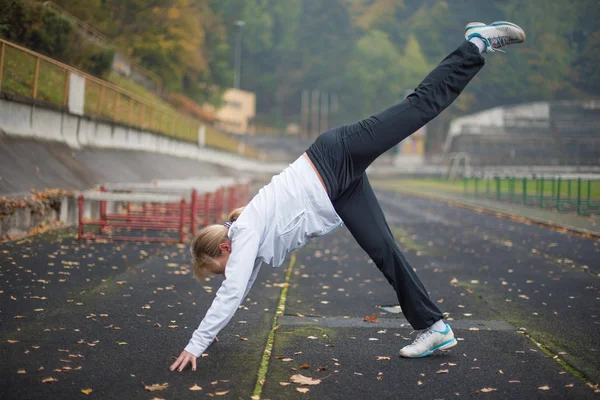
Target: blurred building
238, 109
541, 133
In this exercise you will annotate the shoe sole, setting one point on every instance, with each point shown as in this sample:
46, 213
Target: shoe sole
446, 345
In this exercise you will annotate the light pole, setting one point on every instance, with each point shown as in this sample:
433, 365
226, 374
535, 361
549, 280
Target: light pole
238, 54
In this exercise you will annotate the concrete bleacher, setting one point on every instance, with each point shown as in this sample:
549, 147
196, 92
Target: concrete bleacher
545, 133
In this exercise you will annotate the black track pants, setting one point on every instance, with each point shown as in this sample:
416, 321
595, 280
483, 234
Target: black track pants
341, 155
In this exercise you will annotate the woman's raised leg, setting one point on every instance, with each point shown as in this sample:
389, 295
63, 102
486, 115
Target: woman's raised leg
343, 154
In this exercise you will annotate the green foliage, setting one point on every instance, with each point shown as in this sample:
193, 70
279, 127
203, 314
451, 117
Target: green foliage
367, 52
42, 30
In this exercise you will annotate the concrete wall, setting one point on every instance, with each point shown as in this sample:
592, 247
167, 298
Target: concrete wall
32, 121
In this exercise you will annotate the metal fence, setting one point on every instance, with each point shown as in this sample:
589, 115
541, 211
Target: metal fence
28, 74
574, 193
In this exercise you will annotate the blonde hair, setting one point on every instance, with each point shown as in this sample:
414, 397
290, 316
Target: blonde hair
205, 246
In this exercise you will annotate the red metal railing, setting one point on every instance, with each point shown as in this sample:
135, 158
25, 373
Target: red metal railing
160, 215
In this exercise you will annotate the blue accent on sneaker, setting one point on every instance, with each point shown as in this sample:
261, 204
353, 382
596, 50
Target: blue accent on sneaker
475, 26
445, 331
504, 23
430, 351
478, 35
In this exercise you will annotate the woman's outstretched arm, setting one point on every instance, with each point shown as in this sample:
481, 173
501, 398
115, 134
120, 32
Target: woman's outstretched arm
239, 270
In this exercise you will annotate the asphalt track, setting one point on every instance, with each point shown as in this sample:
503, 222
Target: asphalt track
522, 299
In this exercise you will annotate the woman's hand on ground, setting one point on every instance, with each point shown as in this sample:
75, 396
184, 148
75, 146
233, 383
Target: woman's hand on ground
182, 361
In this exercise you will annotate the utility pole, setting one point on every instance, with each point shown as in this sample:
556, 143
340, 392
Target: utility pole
324, 111
315, 114
304, 113
238, 54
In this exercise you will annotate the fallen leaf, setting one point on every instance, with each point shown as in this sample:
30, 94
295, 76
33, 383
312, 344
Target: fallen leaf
48, 380
18, 316
312, 337
302, 390
379, 358
545, 387
372, 319
321, 368
304, 380
121, 343
156, 386
12, 341
21, 371
86, 391
488, 390
196, 387
221, 393
284, 383
304, 366
442, 371
287, 359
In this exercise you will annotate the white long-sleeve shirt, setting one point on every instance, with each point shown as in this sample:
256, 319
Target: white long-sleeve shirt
282, 217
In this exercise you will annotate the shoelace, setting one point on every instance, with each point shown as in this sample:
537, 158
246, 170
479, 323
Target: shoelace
422, 335
493, 43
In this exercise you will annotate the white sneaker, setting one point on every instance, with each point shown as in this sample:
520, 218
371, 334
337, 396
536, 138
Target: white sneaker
429, 341
497, 34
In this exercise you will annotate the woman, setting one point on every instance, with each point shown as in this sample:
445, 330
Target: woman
326, 186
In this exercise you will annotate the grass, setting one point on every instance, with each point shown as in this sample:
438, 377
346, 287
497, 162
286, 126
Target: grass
533, 187
157, 115
264, 362
18, 76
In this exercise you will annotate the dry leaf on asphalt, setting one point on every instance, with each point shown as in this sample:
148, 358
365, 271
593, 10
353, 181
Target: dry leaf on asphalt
156, 386
86, 391
287, 359
221, 393
304, 380
545, 387
302, 390
196, 387
488, 390
379, 358
48, 380
284, 383
372, 319
304, 366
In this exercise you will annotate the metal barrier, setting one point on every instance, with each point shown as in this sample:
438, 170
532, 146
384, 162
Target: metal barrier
106, 226
172, 207
29, 74
573, 192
